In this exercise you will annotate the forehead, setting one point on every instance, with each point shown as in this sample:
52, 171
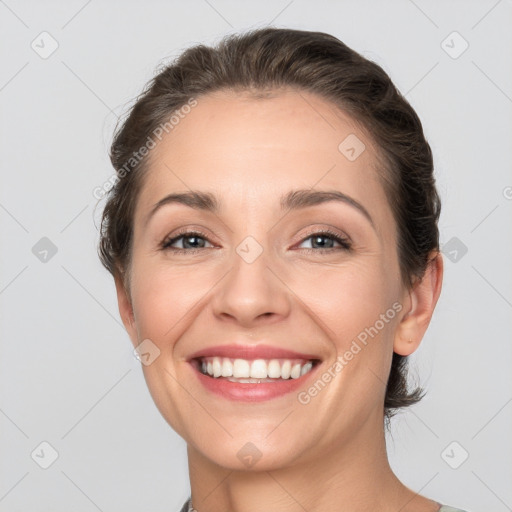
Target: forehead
234, 144
296, 121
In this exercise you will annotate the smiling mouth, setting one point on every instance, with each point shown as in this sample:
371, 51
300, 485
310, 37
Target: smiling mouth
253, 371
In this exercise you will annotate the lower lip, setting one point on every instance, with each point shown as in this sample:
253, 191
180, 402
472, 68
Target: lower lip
247, 392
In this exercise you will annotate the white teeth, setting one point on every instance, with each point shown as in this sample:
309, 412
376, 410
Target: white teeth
242, 370
274, 369
227, 368
286, 369
295, 373
259, 369
249, 381
217, 367
306, 368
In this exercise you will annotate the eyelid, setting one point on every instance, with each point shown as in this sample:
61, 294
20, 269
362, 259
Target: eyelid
342, 239
181, 233
317, 230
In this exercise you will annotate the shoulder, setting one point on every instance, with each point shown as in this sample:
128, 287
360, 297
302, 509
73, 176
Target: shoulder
185, 507
444, 508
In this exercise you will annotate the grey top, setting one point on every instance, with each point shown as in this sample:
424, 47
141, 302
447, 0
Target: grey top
187, 507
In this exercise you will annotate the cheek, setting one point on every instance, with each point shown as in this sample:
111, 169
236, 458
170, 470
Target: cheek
168, 296
347, 298
163, 301
357, 307
162, 298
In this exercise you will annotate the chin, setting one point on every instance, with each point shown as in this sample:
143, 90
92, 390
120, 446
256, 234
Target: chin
249, 454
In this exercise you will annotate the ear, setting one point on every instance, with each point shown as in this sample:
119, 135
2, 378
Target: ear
423, 299
125, 308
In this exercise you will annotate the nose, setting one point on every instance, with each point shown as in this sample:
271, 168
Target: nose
252, 294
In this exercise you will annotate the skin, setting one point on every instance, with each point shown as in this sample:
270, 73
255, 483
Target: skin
330, 453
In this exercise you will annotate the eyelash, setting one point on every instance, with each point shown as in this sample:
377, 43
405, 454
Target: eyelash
344, 242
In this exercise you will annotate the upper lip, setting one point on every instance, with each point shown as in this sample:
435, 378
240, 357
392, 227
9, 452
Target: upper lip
251, 352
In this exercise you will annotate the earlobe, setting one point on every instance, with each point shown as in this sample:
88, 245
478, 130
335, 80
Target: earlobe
423, 298
125, 307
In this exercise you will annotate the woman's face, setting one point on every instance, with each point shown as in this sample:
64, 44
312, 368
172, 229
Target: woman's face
263, 272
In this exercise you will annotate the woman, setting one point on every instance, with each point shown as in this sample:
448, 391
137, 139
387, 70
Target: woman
274, 243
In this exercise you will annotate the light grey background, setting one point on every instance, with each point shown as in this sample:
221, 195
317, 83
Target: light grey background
68, 376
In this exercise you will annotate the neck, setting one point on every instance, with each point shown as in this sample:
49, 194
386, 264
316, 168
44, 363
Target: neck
352, 475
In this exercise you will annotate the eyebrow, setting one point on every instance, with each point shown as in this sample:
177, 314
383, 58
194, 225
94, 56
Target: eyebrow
293, 200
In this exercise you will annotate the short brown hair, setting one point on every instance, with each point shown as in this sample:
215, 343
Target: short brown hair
269, 59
